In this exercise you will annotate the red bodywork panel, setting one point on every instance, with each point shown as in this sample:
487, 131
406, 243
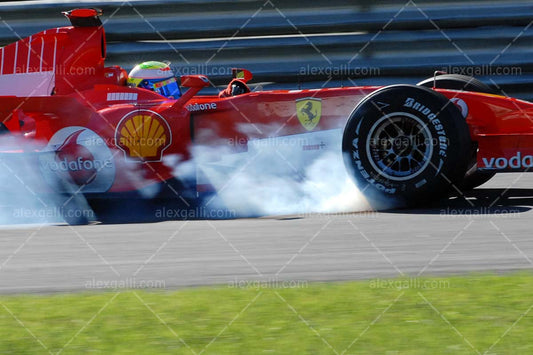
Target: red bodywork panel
502, 127
85, 122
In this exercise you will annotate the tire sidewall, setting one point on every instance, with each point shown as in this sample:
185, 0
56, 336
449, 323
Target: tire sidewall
448, 137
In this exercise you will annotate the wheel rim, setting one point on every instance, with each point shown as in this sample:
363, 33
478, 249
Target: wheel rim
399, 146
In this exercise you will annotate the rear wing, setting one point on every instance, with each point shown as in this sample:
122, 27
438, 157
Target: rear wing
56, 61
84, 17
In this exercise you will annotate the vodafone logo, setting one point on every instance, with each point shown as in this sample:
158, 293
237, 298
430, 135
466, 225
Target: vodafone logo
515, 162
461, 105
78, 165
80, 156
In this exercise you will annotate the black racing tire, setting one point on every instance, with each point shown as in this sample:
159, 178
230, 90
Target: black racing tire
473, 177
72, 204
457, 82
405, 145
74, 210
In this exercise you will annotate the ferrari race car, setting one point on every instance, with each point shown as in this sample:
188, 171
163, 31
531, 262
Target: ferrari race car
89, 133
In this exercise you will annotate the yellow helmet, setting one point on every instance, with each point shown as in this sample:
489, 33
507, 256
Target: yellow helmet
155, 76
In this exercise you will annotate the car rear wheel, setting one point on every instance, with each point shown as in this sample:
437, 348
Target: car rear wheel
404, 146
457, 82
473, 177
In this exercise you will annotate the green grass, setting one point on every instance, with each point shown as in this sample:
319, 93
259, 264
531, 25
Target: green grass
466, 314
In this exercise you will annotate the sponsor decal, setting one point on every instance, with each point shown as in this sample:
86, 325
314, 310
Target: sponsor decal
415, 105
309, 111
359, 166
319, 146
122, 96
432, 117
202, 107
143, 135
461, 105
81, 156
515, 162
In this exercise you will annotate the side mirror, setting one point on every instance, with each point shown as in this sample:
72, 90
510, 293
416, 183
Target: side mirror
195, 83
241, 74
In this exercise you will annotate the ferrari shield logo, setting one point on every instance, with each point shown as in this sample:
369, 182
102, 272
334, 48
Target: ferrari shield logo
309, 111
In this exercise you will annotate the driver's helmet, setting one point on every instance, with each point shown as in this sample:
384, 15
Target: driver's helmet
155, 76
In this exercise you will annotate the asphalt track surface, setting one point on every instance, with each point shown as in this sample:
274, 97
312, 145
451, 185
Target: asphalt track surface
489, 230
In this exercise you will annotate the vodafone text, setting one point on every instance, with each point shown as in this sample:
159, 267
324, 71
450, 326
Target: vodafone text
515, 162
77, 164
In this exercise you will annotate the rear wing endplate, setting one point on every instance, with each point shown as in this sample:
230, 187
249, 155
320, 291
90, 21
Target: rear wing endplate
84, 17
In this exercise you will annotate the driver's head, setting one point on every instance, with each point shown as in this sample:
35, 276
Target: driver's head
155, 76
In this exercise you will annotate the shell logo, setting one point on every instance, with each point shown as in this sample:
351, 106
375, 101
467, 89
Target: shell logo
143, 135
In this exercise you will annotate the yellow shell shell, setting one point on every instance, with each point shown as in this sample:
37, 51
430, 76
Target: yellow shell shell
144, 136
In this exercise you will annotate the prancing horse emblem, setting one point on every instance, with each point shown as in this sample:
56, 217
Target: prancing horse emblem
309, 111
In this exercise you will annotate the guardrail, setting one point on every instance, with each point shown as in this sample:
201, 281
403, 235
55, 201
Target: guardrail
321, 43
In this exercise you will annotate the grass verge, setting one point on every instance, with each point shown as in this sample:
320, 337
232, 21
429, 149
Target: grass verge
463, 314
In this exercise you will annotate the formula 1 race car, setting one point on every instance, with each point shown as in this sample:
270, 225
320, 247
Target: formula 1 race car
90, 133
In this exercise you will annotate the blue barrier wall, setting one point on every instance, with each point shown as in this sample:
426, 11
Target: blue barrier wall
290, 44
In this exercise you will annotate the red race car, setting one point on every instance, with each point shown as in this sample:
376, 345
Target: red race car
90, 132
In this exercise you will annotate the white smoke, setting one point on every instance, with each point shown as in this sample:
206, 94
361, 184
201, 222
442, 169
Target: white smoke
25, 196
301, 174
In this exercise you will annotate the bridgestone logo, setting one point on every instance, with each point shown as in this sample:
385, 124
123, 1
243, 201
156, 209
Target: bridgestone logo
515, 162
432, 117
415, 105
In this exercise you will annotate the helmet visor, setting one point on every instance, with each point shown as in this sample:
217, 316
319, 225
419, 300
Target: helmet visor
168, 87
